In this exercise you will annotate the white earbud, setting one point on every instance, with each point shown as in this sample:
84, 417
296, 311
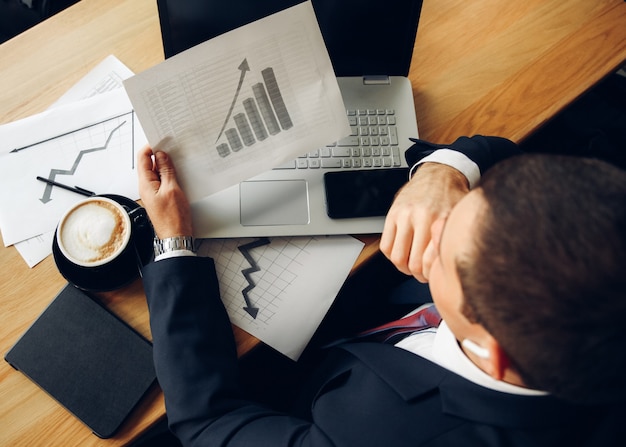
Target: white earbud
476, 349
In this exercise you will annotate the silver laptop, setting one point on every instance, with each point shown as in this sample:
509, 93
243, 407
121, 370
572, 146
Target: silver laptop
370, 46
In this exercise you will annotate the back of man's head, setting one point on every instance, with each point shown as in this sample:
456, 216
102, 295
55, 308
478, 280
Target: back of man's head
548, 275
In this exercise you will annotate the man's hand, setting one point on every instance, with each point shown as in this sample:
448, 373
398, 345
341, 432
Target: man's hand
428, 197
164, 200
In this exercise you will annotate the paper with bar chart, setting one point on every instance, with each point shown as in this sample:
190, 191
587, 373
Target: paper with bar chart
243, 102
279, 289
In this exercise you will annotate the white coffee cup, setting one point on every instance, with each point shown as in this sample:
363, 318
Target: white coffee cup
94, 232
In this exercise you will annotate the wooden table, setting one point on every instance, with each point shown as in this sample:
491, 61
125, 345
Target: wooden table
482, 66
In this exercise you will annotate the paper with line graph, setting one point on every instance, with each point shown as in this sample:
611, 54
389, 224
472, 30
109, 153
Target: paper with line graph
91, 144
279, 289
242, 103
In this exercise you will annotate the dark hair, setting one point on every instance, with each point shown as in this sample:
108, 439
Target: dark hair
547, 274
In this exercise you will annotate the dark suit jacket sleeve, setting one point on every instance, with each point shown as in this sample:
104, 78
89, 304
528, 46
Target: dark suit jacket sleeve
485, 151
196, 363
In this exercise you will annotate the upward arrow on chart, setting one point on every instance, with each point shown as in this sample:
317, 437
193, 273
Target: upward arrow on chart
54, 172
243, 67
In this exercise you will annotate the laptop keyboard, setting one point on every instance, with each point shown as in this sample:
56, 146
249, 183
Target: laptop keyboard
373, 143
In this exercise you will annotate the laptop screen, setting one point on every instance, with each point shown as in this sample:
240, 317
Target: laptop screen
363, 37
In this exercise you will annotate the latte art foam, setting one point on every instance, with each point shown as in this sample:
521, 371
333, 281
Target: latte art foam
93, 232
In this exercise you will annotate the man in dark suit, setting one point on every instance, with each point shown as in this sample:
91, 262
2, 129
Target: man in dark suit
526, 271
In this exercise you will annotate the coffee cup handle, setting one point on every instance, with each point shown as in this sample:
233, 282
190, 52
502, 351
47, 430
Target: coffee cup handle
139, 220
138, 216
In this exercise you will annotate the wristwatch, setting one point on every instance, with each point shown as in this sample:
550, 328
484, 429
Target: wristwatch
175, 243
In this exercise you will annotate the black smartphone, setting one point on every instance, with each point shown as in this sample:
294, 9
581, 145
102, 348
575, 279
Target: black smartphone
363, 193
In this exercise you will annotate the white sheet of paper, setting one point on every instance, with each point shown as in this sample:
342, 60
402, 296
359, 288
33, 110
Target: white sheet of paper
294, 282
90, 143
105, 77
108, 75
205, 106
35, 249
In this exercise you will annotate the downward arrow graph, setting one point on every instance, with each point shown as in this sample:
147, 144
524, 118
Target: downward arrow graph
254, 267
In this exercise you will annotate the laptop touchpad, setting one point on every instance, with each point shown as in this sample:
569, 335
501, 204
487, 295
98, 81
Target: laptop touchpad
274, 202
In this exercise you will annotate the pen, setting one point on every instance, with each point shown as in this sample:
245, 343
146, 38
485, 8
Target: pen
76, 189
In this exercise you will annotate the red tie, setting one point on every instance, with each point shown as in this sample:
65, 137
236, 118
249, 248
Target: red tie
426, 317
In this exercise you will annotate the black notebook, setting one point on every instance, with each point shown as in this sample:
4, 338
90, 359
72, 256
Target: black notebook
86, 358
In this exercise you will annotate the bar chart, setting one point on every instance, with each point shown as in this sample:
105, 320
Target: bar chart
262, 114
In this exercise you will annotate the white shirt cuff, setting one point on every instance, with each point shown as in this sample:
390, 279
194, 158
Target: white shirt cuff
174, 254
454, 159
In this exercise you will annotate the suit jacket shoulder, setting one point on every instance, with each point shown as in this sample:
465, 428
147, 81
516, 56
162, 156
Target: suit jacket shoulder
455, 411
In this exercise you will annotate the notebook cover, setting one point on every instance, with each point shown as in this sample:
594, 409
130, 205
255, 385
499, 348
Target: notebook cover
86, 358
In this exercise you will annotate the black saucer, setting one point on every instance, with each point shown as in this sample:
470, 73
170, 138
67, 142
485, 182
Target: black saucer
123, 269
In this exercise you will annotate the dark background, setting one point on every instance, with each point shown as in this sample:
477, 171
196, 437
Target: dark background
19, 15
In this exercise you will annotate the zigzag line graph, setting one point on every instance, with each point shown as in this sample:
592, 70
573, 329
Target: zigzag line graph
254, 267
54, 172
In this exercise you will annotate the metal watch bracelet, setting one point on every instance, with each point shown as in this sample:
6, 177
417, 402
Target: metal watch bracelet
175, 243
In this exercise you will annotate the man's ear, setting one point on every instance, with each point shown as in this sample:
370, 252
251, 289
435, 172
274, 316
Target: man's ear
498, 360
487, 355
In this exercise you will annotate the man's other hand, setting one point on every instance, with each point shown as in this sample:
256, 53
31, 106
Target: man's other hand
429, 196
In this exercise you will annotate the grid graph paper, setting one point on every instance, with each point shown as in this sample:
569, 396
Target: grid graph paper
279, 289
